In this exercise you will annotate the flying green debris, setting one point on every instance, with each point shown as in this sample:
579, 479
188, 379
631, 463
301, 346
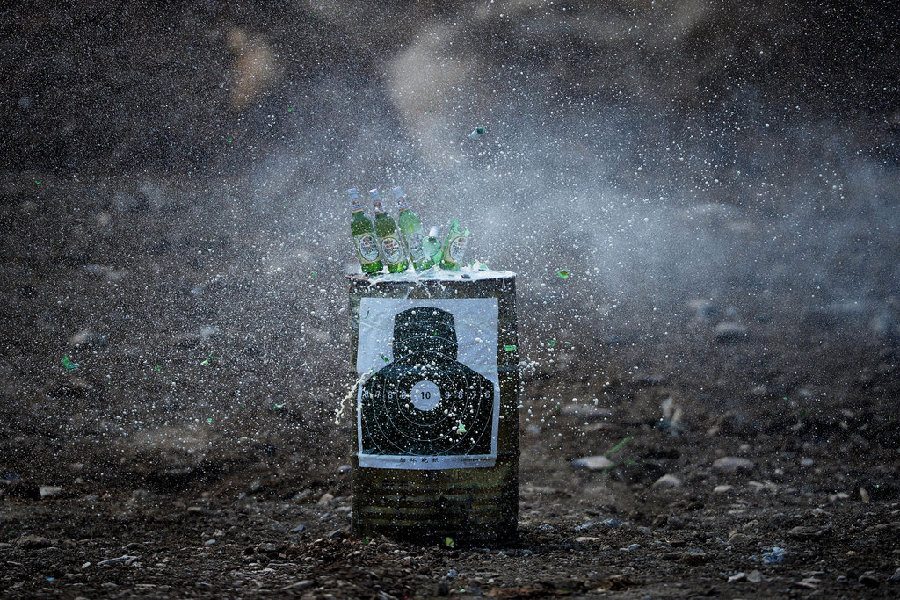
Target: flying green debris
158, 368
460, 429
68, 364
279, 405
563, 274
209, 419
312, 272
510, 347
618, 446
386, 359
208, 360
449, 542
551, 343
478, 132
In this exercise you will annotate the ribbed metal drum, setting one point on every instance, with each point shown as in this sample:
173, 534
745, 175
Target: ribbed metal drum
436, 428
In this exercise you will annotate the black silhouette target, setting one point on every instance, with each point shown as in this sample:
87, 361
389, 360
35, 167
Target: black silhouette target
426, 402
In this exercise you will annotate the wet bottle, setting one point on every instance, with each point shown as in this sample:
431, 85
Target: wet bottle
432, 246
393, 253
412, 231
363, 232
454, 247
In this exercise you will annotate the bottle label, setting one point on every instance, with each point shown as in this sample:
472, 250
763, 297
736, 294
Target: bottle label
456, 248
414, 243
392, 250
367, 247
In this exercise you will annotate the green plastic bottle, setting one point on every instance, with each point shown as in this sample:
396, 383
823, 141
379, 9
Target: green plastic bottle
412, 231
363, 232
454, 246
393, 253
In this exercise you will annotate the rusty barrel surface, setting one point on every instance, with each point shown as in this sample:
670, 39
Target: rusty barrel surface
436, 428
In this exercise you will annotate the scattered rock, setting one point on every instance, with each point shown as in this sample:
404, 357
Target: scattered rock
325, 500
754, 576
300, 528
774, 556
593, 463
722, 489
344, 469
869, 579
804, 532
210, 542
667, 481
125, 559
47, 491
32, 541
737, 577
299, 585
729, 332
732, 464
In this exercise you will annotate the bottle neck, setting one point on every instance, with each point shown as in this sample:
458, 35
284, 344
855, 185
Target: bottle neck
355, 205
379, 209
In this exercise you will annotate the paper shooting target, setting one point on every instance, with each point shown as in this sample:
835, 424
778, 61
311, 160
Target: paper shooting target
436, 404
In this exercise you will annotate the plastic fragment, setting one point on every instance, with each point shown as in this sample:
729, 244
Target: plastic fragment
510, 347
563, 274
209, 419
478, 132
158, 368
551, 343
68, 363
460, 429
208, 359
449, 542
386, 359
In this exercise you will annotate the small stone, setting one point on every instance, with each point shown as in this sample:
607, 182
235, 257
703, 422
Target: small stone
754, 576
593, 463
869, 580
125, 559
299, 585
325, 500
729, 332
210, 542
732, 464
300, 528
722, 489
47, 491
667, 481
806, 462
109, 585
32, 541
344, 469
737, 577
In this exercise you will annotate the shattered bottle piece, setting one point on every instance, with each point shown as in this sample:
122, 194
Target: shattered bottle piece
412, 231
478, 132
68, 363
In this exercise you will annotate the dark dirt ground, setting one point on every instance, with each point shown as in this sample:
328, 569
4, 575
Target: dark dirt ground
178, 479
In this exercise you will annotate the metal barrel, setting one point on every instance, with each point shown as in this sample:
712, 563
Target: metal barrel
435, 417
